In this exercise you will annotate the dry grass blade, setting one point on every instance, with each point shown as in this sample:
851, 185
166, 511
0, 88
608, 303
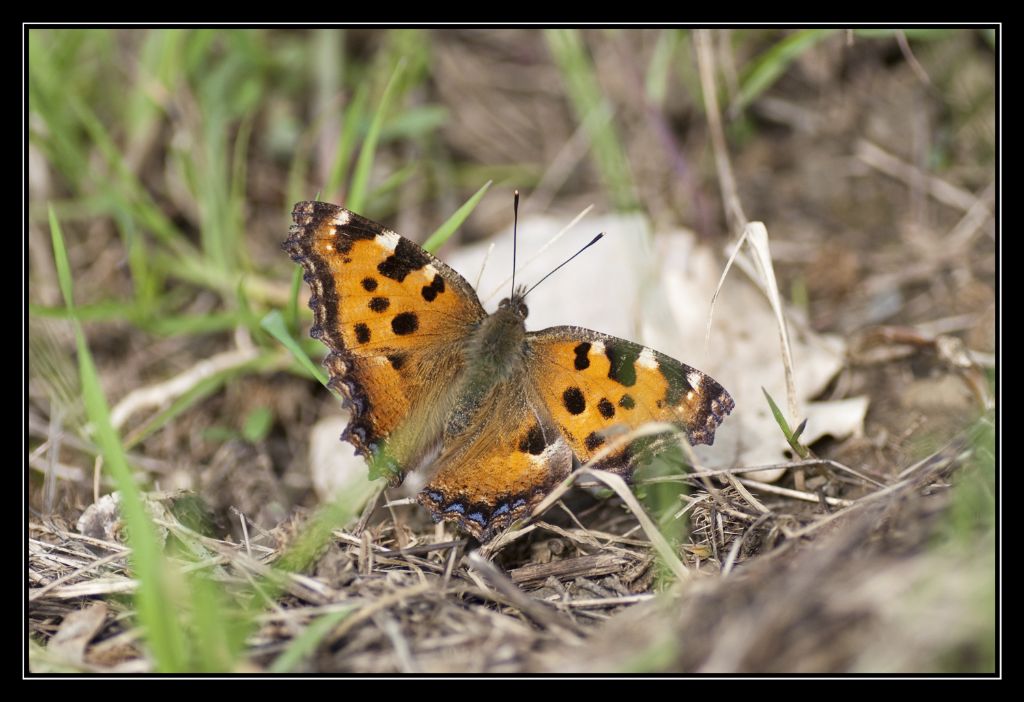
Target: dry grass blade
757, 237
584, 566
160, 394
43, 591
709, 89
943, 191
605, 602
541, 613
795, 494
754, 233
77, 629
381, 605
661, 545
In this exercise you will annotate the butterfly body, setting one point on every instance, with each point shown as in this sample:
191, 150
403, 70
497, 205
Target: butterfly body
497, 414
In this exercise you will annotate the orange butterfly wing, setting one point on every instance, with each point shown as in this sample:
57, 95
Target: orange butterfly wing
395, 320
499, 468
596, 386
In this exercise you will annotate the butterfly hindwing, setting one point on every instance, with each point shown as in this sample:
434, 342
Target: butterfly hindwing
596, 386
394, 318
496, 471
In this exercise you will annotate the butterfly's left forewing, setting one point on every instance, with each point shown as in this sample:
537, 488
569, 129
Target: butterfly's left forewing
597, 387
395, 320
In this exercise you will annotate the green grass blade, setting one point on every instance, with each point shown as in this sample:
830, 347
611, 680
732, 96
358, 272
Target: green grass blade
193, 324
60, 259
292, 318
792, 438
303, 645
257, 424
156, 609
923, 34
219, 636
97, 311
274, 324
317, 532
395, 181
361, 177
236, 191
200, 391
770, 66
656, 80
127, 191
353, 118
415, 122
445, 231
587, 98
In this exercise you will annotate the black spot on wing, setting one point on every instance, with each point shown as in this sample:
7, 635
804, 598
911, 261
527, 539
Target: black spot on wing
435, 288
362, 333
573, 400
379, 304
621, 360
361, 229
406, 258
533, 442
369, 284
405, 323
607, 409
397, 360
593, 441
627, 402
581, 351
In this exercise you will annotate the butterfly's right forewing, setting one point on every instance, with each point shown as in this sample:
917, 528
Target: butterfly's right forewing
598, 387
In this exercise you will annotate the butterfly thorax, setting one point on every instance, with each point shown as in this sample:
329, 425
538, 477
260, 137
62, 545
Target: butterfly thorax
496, 347
495, 352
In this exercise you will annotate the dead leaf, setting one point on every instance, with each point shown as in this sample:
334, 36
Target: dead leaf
76, 631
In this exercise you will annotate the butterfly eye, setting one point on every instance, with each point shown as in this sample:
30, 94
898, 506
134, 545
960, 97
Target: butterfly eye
503, 304
522, 310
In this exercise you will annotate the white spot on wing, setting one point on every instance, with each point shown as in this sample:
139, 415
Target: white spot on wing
597, 348
342, 218
548, 454
695, 379
647, 359
388, 239
428, 272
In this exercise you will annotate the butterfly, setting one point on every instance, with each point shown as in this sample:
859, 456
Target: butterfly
496, 415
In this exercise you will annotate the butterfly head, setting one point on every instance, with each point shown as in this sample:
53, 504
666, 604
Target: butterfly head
516, 304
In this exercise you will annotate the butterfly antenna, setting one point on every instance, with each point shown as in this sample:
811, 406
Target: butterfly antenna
515, 227
592, 242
